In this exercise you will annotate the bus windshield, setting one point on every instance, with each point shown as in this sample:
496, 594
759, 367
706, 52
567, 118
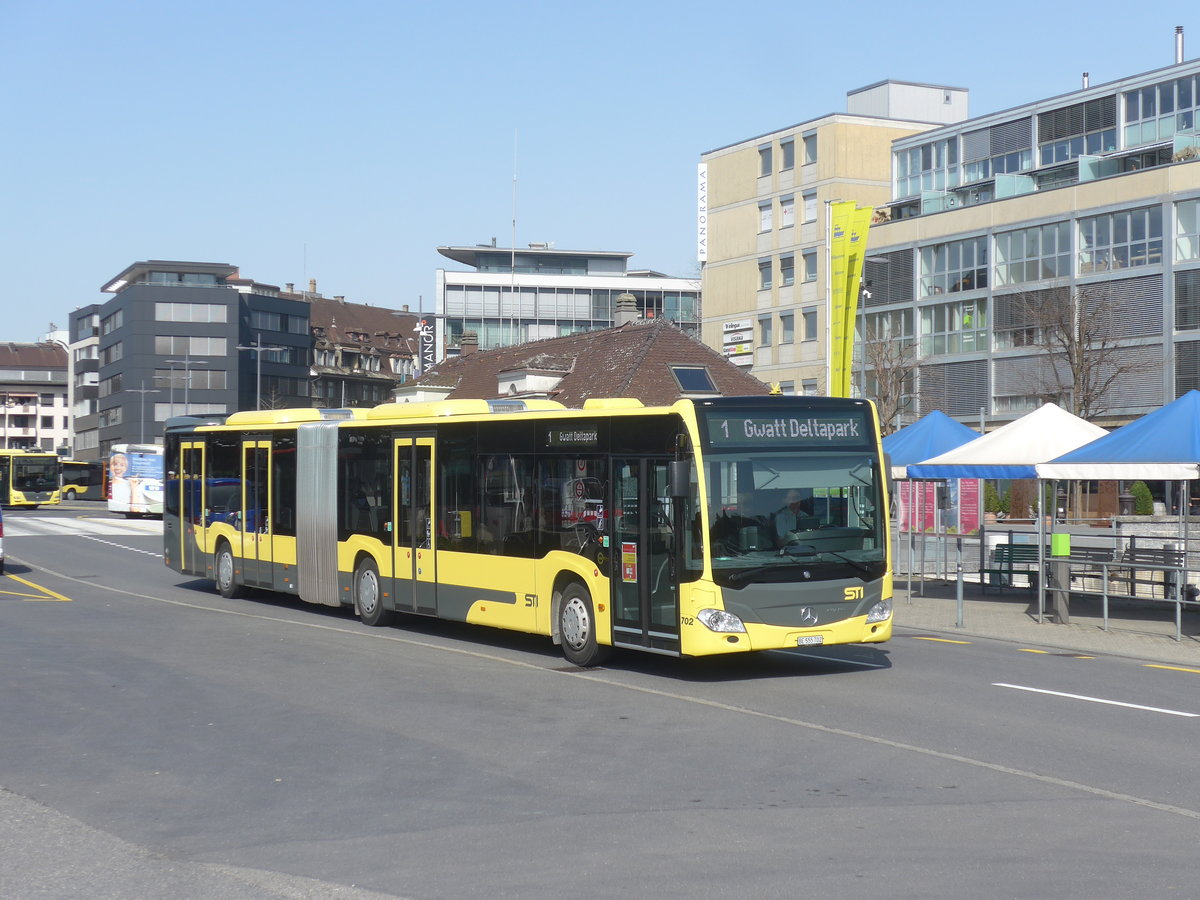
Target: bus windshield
768, 509
36, 474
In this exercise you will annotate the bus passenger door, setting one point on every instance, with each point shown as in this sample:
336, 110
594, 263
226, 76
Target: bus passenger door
252, 520
192, 553
412, 529
645, 595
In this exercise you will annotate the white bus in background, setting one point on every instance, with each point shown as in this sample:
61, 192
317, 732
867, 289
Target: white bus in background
135, 479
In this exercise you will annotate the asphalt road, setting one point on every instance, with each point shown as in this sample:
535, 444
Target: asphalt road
159, 740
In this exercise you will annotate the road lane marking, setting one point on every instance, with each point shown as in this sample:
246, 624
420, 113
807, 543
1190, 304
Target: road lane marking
92, 537
46, 594
1033, 690
939, 640
595, 678
1171, 668
1027, 650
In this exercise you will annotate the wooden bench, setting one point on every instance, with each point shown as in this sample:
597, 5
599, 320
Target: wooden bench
1149, 584
1008, 561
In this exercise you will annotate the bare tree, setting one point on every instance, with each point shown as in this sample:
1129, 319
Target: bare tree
1083, 335
889, 363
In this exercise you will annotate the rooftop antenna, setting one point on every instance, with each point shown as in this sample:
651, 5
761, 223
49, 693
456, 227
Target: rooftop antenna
512, 294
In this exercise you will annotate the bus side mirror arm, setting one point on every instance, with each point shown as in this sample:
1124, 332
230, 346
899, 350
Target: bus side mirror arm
679, 478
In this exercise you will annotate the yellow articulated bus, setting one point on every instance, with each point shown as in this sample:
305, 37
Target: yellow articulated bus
30, 478
710, 526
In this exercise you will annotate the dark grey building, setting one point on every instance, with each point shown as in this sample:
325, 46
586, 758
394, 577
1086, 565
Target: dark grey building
179, 338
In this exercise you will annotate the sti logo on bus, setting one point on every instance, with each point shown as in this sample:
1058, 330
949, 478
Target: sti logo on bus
852, 593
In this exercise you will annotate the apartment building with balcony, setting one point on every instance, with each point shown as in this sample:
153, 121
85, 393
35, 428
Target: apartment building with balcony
764, 226
1085, 204
34, 411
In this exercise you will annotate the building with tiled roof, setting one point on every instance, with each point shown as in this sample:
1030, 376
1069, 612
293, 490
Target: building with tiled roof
360, 352
34, 414
652, 361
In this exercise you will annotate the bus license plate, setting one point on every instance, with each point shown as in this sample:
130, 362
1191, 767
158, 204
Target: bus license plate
810, 640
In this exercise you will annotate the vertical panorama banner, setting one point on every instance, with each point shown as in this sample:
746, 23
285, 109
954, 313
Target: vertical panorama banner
847, 248
702, 212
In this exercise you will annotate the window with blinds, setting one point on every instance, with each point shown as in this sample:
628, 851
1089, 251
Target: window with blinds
957, 389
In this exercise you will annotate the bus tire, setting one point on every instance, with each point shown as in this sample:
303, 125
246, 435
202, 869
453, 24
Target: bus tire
224, 573
368, 594
69, 494
577, 628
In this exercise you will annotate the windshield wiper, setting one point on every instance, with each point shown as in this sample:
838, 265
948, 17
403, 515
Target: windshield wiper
858, 564
739, 577
810, 550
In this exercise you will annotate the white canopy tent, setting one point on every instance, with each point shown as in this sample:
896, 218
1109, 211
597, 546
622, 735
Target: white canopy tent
1015, 451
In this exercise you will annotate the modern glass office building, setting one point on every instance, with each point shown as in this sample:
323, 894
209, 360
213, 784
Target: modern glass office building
511, 296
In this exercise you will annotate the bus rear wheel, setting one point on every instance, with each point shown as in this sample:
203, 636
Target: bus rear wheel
577, 628
223, 573
367, 594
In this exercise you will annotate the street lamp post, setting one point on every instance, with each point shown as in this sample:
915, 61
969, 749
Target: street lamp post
258, 347
187, 362
143, 391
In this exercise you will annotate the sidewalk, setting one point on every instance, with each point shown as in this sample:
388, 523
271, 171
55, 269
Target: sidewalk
1141, 631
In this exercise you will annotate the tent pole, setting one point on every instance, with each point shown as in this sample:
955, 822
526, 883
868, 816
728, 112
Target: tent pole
912, 496
1040, 533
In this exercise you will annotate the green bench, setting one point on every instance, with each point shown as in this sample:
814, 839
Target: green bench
1009, 561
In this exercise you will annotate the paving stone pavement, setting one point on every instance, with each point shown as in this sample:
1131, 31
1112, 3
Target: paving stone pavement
1138, 630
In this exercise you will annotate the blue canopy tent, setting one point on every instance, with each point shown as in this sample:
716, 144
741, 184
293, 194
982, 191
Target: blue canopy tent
929, 436
1161, 446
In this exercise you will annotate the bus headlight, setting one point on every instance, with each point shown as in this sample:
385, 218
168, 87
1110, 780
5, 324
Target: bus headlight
720, 621
881, 611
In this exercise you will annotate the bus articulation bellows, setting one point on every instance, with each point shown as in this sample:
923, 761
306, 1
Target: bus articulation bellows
710, 526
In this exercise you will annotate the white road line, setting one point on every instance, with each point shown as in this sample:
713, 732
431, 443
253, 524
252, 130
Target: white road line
1168, 712
98, 540
599, 678
78, 527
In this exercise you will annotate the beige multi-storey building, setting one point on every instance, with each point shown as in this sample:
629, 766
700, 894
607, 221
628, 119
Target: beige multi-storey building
764, 226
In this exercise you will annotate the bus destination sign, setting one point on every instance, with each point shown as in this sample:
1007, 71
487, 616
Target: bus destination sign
844, 429
575, 434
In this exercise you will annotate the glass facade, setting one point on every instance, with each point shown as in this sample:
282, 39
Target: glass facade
1032, 254
954, 266
1121, 240
1160, 111
545, 312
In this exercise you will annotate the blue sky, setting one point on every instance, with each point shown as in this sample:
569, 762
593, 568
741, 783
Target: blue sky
346, 141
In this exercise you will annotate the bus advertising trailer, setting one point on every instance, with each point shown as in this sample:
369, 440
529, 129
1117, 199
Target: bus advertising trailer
135, 480
710, 526
29, 478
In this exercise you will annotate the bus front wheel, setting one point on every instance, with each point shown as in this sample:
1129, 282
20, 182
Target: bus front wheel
223, 571
577, 628
368, 595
